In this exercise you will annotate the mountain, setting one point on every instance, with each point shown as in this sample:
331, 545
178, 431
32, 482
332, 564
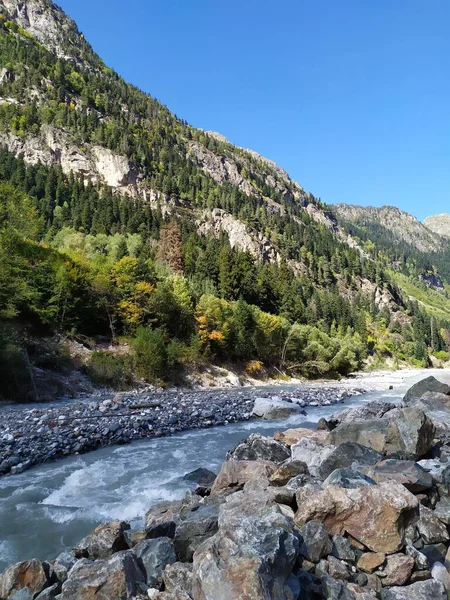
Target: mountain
440, 224
120, 220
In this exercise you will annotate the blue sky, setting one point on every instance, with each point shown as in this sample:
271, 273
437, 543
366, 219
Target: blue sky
351, 97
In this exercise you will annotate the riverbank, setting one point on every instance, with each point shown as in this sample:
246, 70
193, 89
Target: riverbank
40, 433
358, 509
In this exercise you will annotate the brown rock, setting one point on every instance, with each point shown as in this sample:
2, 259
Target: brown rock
398, 569
290, 437
375, 515
30, 575
287, 471
431, 529
370, 561
234, 474
161, 520
105, 540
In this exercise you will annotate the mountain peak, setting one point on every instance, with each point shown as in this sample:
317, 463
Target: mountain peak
439, 224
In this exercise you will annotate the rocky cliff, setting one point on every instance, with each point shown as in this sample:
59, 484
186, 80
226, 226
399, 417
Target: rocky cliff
440, 224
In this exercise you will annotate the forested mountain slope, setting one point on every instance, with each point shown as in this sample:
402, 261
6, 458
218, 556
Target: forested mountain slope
119, 219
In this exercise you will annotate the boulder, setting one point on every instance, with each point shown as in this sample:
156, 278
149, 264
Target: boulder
440, 573
287, 471
374, 515
201, 476
258, 447
154, 555
342, 549
370, 561
267, 408
369, 410
161, 520
420, 560
105, 540
252, 556
197, 526
312, 453
316, 542
429, 384
48, 594
235, 473
346, 455
398, 570
442, 510
406, 433
422, 590
431, 529
29, 578
119, 576
290, 437
331, 588
434, 553
337, 569
347, 478
178, 576
410, 474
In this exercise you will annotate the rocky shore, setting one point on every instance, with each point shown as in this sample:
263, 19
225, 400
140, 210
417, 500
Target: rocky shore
34, 435
355, 510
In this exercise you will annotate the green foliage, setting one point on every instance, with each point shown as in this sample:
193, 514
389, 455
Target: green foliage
150, 352
110, 370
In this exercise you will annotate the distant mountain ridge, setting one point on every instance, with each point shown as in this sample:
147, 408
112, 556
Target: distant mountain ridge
439, 224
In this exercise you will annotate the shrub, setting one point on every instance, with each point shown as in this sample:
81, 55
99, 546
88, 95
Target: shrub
150, 354
254, 367
110, 370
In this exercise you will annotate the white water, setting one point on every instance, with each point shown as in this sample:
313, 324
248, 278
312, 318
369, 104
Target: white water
50, 507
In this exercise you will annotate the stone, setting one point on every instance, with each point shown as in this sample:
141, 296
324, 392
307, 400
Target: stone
442, 510
347, 478
268, 409
420, 560
201, 476
409, 473
345, 455
161, 520
225, 568
49, 593
316, 542
440, 573
28, 578
178, 576
333, 589
197, 526
338, 569
370, 561
119, 576
312, 453
105, 540
429, 384
290, 437
258, 447
288, 471
405, 434
398, 570
375, 515
155, 554
342, 549
422, 590
434, 553
235, 473
431, 529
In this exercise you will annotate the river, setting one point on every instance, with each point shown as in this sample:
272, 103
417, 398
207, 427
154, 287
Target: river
49, 508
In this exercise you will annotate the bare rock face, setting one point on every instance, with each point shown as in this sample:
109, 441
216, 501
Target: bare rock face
118, 577
375, 515
115, 169
251, 557
29, 577
439, 224
104, 541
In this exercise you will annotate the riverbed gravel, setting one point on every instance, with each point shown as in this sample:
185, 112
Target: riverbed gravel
33, 435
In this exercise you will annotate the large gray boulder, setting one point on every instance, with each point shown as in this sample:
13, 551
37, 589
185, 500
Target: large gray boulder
422, 590
429, 384
119, 576
346, 455
404, 433
252, 556
316, 542
197, 525
178, 576
154, 556
409, 473
258, 447
105, 540
161, 520
267, 408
